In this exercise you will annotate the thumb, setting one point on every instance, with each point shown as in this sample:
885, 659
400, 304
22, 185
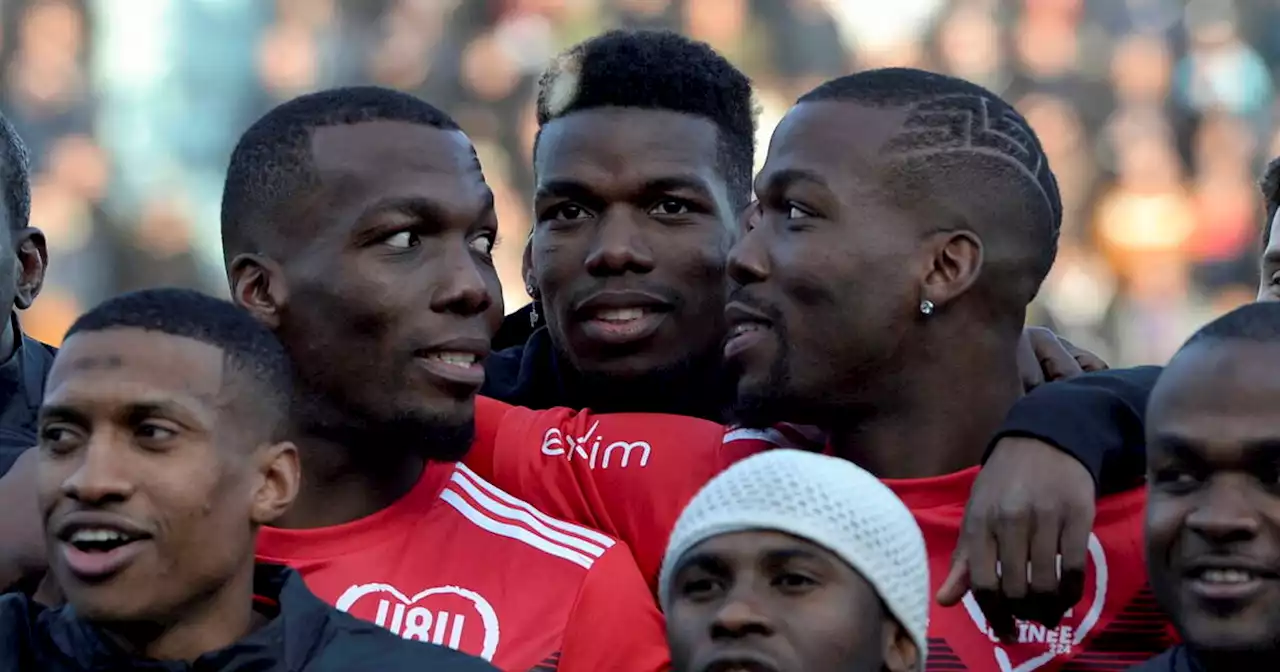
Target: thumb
957, 583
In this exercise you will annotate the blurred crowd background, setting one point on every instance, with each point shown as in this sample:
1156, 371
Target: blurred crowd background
1157, 115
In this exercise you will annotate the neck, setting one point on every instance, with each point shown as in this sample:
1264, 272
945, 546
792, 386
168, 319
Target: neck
215, 622
342, 482
694, 388
936, 416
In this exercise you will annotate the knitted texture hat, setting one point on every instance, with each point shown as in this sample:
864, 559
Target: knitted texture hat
825, 500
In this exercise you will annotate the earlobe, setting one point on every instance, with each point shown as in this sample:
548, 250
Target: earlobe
33, 259
258, 286
900, 653
281, 476
954, 266
526, 268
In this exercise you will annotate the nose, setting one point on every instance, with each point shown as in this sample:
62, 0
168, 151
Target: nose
619, 247
99, 476
461, 286
749, 258
740, 616
1225, 515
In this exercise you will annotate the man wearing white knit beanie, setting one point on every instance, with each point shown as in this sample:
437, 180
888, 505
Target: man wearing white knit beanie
796, 562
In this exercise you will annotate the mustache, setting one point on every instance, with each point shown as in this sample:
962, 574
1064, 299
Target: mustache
742, 295
671, 297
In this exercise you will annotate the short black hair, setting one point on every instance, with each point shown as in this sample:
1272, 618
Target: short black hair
272, 162
15, 170
249, 348
967, 154
1270, 185
658, 70
1258, 322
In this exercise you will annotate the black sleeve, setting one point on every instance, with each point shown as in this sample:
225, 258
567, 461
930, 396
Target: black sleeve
1098, 418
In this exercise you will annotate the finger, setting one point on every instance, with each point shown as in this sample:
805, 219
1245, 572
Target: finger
1013, 538
1028, 365
1074, 549
1043, 603
980, 546
999, 618
1087, 360
1054, 358
957, 583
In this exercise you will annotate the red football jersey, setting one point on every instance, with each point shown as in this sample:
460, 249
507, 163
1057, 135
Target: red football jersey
460, 563
630, 475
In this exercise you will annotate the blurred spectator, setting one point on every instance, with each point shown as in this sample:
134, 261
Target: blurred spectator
131, 114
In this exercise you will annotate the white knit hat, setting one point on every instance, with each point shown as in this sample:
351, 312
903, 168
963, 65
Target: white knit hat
828, 501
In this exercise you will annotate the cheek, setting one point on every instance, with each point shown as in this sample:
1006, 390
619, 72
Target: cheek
1164, 520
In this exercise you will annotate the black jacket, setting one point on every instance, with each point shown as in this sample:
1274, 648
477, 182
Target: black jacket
1099, 418
306, 635
1177, 659
533, 374
21, 391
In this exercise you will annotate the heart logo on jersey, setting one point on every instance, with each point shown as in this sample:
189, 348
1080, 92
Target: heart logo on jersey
408, 617
1038, 645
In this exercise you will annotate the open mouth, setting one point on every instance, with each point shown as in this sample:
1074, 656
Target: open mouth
746, 328
95, 551
622, 324
461, 360
1223, 581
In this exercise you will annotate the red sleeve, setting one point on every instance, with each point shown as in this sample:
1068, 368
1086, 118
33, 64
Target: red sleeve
628, 475
615, 624
489, 415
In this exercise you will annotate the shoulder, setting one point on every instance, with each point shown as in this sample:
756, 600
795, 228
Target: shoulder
1165, 662
357, 645
509, 521
19, 621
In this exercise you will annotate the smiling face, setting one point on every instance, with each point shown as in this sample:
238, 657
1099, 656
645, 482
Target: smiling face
146, 485
1213, 512
387, 296
825, 282
633, 226
769, 602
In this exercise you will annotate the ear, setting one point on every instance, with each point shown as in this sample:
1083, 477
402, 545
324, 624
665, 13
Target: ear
281, 474
899, 652
33, 259
527, 270
953, 267
258, 286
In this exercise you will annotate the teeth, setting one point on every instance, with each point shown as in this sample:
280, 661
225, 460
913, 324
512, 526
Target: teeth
462, 359
1226, 576
620, 314
88, 535
746, 327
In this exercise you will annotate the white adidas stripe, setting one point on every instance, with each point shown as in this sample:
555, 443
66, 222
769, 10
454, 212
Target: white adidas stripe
770, 435
503, 511
504, 497
510, 531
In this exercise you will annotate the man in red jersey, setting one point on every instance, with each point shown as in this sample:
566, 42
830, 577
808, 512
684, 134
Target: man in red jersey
905, 221
357, 224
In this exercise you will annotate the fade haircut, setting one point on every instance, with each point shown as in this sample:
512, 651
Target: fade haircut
272, 162
966, 157
1257, 322
15, 170
250, 351
658, 70
1270, 186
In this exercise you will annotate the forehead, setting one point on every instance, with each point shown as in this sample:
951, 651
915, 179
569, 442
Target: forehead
841, 141
628, 146
128, 365
359, 164
1273, 241
1223, 391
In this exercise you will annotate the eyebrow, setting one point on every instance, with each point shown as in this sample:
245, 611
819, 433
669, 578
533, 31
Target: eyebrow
578, 191
423, 208
1258, 452
134, 412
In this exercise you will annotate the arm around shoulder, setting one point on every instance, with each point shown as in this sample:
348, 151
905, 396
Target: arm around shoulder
1098, 418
